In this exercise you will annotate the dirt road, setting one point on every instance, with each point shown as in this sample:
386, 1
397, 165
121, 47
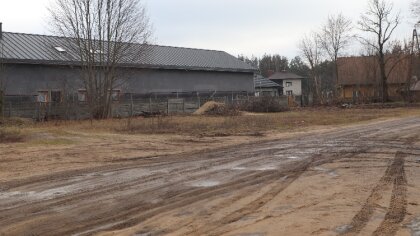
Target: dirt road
359, 180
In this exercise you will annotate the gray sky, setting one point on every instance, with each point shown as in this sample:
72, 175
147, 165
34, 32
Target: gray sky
250, 27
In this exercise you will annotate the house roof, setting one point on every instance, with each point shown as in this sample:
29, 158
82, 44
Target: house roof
40, 49
285, 75
364, 70
261, 82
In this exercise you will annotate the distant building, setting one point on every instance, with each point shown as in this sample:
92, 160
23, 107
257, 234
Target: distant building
359, 78
291, 83
43, 68
266, 87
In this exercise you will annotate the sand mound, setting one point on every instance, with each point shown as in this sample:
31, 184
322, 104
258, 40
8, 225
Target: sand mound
208, 107
217, 109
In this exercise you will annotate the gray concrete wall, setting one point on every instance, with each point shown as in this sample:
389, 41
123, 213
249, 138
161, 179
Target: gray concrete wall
29, 79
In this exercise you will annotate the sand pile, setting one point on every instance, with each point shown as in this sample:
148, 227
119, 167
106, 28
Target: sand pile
216, 109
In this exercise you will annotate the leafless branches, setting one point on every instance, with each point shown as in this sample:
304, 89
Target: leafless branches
104, 34
379, 21
335, 36
310, 47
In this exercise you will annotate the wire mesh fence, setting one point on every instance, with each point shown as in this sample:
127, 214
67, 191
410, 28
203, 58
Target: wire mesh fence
129, 106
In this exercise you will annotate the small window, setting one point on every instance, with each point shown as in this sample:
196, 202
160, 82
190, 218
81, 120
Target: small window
289, 93
115, 95
42, 96
56, 96
82, 95
60, 49
288, 84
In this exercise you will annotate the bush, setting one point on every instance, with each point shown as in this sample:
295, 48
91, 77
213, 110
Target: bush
264, 104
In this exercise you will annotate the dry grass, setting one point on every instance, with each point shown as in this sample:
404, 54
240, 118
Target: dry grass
249, 124
10, 135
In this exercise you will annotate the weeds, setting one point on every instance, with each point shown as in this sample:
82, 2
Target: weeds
10, 135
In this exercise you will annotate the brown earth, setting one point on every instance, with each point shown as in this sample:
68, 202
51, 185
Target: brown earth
356, 180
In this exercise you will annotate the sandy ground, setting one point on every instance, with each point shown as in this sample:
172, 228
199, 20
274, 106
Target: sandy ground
356, 180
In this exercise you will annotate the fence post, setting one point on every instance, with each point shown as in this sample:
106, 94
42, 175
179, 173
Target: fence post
131, 105
10, 109
167, 106
150, 104
183, 105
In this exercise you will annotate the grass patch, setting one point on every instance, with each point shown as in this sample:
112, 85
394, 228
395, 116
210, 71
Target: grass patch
52, 142
216, 126
10, 135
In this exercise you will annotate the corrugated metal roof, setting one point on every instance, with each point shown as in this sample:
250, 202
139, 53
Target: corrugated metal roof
285, 75
40, 49
261, 82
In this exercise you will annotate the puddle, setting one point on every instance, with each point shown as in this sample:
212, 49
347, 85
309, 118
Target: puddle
205, 183
263, 168
183, 213
251, 234
331, 173
282, 209
343, 229
248, 218
414, 226
103, 227
239, 168
143, 234
292, 157
47, 194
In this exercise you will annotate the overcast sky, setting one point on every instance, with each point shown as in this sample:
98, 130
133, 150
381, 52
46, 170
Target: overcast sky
250, 27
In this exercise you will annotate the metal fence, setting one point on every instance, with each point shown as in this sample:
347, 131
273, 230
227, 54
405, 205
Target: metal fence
128, 107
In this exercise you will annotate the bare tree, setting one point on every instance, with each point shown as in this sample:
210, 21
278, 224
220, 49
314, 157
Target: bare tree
379, 21
335, 35
104, 34
310, 47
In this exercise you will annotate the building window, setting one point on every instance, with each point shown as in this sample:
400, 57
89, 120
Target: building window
82, 95
288, 84
56, 96
42, 96
289, 93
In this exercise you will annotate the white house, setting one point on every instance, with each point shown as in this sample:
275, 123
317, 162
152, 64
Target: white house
291, 83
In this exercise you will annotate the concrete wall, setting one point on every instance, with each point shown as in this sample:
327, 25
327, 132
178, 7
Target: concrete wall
29, 79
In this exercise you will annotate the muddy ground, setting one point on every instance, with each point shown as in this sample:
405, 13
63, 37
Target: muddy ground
359, 180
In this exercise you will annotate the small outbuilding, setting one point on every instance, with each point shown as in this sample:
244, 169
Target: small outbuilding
266, 87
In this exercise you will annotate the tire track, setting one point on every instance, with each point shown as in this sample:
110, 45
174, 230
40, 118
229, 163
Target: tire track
394, 175
398, 206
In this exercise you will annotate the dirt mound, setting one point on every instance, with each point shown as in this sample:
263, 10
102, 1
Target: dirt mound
216, 109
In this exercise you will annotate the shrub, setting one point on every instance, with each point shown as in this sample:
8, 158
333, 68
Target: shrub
264, 104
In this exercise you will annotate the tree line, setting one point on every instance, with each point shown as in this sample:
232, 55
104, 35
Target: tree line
321, 49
